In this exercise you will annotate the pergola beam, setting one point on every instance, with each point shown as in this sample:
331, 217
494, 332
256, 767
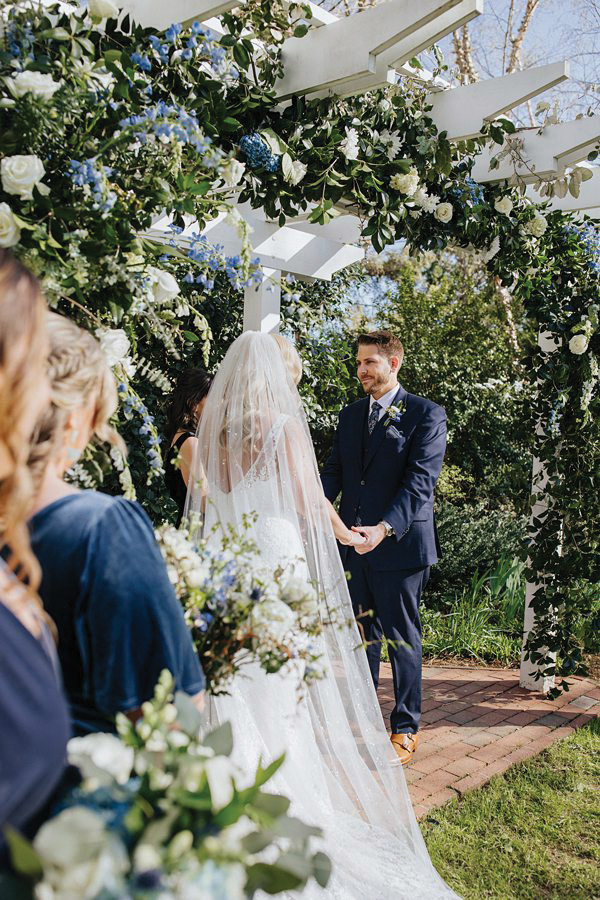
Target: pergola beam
160, 14
546, 152
315, 62
389, 65
296, 249
461, 111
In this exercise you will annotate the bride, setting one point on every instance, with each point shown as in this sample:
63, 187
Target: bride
254, 455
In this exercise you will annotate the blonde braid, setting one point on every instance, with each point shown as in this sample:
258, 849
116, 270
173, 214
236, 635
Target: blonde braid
78, 372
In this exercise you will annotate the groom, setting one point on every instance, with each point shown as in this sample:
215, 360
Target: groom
386, 458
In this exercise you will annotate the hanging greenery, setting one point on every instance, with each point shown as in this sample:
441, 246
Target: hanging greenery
107, 129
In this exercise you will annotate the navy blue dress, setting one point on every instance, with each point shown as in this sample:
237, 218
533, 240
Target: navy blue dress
34, 728
105, 584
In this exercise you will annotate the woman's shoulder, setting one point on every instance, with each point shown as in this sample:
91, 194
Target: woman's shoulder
85, 512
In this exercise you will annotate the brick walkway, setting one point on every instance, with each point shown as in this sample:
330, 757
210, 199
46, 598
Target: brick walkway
478, 722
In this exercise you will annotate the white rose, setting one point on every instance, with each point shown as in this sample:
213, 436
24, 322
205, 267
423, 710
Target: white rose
102, 874
114, 343
20, 174
537, 225
102, 758
301, 592
233, 172
273, 616
36, 83
578, 344
444, 212
384, 105
9, 230
297, 173
103, 9
73, 836
164, 285
504, 206
406, 184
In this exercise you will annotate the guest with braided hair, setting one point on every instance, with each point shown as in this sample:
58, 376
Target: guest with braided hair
103, 578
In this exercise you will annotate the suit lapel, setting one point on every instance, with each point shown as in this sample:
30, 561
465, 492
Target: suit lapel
378, 435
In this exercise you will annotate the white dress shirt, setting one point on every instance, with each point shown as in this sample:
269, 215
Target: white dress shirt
384, 401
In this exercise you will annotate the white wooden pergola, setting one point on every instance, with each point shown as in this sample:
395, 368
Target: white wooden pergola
377, 45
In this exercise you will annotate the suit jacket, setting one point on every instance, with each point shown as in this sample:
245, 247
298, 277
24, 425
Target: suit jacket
391, 475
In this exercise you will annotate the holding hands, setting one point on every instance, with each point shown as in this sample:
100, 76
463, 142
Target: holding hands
372, 536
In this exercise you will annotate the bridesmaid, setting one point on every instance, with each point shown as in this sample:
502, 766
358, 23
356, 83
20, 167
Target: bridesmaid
33, 714
103, 578
185, 408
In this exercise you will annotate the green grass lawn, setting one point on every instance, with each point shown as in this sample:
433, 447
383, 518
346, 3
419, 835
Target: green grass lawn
531, 834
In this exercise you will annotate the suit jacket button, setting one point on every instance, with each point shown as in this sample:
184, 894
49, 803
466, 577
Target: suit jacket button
363, 482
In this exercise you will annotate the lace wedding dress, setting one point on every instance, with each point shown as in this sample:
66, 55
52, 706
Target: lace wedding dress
340, 773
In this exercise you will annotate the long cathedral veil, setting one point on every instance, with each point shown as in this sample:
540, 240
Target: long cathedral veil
255, 455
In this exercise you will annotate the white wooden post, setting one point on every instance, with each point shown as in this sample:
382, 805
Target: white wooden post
262, 303
539, 482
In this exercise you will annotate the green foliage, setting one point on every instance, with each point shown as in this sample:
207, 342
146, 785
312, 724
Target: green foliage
473, 538
458, 353
532, 832
484, 621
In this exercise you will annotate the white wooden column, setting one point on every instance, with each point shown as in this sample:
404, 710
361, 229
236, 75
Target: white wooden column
262, 303
539, 482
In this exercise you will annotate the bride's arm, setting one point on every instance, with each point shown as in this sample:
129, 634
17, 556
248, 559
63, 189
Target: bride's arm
344, 535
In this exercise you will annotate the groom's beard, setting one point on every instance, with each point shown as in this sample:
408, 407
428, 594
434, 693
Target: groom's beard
375, 384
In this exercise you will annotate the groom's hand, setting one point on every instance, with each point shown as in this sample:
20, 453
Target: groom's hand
373, 535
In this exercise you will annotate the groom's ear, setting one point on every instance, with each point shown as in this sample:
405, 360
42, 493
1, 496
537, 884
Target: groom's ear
395, 363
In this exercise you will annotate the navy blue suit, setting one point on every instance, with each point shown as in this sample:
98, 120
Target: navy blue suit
390, 475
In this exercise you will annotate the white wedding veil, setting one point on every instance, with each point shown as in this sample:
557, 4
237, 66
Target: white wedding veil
255, 455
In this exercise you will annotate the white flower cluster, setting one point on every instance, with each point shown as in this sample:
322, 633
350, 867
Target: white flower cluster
349, 146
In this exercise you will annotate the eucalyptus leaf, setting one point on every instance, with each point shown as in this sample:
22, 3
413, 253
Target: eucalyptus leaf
221, 740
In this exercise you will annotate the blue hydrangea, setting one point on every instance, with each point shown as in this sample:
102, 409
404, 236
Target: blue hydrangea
258, 153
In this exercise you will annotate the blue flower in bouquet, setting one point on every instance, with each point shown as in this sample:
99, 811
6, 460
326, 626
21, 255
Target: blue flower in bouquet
218, 881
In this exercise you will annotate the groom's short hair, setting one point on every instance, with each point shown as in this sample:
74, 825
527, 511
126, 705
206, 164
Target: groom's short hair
388, 343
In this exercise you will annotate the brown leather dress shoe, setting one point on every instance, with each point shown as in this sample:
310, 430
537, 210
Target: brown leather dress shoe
405, 746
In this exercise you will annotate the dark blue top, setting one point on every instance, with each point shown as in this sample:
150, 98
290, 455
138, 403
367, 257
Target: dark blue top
34, 727
105, 584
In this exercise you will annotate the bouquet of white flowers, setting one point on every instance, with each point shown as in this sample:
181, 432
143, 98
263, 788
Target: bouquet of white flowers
162, 813
238, 611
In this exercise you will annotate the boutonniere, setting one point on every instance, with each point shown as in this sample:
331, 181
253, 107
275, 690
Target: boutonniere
394, 414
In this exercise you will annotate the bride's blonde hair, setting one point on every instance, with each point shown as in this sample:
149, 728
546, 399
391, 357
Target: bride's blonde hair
78, 373
291, 357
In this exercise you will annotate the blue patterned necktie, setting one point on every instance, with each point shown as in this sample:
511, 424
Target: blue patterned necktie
374, 416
